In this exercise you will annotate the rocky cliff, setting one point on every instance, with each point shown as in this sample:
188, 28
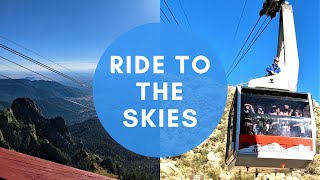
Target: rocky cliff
208, 158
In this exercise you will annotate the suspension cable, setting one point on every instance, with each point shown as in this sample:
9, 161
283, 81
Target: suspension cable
26, 68
171, 12
244, 44
165, 16
79, 104
246, 41
13, 68
252, 39
236, 32
42, 65
249, 47
25, 48
162, 19
185, 15
16, 80
40, 75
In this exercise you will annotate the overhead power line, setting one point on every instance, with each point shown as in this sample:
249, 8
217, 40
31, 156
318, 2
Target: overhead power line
171, 12
42, 65
25, 48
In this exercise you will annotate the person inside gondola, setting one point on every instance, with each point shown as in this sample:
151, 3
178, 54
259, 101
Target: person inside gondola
259, 122
273, 69
247, 116
275, 127
286, 110
260, 110
284, 124
297, 127
297, 113
275, 111
248, 108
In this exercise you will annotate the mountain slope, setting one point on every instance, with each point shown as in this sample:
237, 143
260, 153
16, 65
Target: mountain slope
117, 159
53, 98
87, 147
23, 128
43, 89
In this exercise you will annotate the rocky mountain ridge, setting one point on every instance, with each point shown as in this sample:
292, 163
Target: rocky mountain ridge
85, 145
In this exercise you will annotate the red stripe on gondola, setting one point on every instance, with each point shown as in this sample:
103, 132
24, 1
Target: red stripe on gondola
246, 140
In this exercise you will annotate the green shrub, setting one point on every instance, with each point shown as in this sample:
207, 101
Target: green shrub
214, 173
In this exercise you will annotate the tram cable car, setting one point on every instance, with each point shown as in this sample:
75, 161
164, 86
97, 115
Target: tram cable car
271, 127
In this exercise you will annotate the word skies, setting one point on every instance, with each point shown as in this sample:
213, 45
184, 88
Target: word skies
160, 91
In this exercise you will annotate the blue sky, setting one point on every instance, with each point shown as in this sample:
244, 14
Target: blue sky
72, 30
75, 33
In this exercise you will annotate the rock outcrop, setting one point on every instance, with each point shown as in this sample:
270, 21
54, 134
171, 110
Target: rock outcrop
24, 109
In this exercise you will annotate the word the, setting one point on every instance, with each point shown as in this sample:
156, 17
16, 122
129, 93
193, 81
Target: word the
175, 90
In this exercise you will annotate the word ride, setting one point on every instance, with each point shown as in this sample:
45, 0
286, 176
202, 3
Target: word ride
141, 64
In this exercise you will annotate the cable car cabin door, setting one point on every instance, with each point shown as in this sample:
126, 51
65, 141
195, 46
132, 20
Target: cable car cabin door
275, 129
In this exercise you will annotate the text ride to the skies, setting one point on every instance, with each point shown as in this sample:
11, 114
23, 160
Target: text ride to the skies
140, 65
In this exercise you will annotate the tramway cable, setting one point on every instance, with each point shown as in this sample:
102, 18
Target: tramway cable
25, 48
244, 43
185, 15
42, 65
249, 47
26, 68
171, 12
236, 32
79, 104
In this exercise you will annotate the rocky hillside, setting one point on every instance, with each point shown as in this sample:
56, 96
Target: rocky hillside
24, 129
85, 145
208, 158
